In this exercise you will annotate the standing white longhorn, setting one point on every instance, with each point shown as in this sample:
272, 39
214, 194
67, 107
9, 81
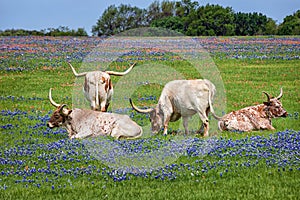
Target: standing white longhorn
182, 98
98, 88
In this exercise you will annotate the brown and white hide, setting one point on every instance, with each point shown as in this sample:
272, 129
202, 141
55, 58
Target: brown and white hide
82, 123
254, 117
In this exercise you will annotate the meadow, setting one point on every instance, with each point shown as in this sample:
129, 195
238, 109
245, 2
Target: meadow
41, 163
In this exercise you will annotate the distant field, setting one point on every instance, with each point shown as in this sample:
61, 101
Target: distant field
40, 163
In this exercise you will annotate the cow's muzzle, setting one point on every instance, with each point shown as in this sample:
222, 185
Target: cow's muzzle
285, 114
50, 125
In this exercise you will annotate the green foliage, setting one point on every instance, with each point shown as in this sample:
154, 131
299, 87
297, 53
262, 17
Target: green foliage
60, 31
189, 18
271, 27
211, 20
172, 23
290, 25
185, 16
250, 23
118, 19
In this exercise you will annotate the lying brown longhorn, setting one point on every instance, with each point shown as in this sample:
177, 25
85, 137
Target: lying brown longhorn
254, 117
82, 123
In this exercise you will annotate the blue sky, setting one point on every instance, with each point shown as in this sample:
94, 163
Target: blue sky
43, 14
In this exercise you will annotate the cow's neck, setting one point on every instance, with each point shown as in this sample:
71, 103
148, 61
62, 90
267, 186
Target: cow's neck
261, 110
69, 125
267, 113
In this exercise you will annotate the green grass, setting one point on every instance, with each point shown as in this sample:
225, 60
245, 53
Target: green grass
241, 184
244, 82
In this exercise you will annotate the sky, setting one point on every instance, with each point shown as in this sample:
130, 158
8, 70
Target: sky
43, 14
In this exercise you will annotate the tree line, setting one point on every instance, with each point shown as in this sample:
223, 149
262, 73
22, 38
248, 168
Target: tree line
185, 16
60, 31
189, 18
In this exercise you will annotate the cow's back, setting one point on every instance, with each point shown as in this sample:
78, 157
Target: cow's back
89, 123
189, 96
86, 123
98, 89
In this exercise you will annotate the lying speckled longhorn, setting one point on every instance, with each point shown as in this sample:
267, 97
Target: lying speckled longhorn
82, 123
98, 88
254, 117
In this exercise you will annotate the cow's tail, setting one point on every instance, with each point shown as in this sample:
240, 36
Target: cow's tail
97, 104
211, 107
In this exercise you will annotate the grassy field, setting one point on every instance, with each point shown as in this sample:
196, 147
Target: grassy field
39, 163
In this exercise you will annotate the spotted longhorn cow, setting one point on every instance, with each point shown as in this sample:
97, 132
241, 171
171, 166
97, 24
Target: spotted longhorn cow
98, 88
181, 98
254, 117
82, 123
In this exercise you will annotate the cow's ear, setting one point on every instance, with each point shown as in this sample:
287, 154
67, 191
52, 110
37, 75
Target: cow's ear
69, 112
64, 111
267, 103
103, 80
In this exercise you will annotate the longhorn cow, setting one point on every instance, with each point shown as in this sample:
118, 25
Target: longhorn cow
81, 123
254, 117
181, 98
98, 88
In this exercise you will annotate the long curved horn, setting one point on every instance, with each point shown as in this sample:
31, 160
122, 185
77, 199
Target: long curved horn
51, 100
280, 95
121, 73
268, 96
75, 73
138, 109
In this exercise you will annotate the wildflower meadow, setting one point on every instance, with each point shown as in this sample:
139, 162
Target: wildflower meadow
37, 162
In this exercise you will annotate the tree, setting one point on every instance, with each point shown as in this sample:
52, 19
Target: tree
106, 25
290, 25
167, 9
250, 23
118, 19
187, 17
185, 8
172, 23
271, 27
211, 20
153, 12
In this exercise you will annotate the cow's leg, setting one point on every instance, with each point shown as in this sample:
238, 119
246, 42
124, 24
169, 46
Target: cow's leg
106, 107
165, 130
185, 124
206, 128
166, 123
81, 135
269, 126
116, 133
103, 106
93, 105
205, 123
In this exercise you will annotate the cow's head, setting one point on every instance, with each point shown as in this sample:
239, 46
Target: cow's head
155, 114
60, 115
274, 106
